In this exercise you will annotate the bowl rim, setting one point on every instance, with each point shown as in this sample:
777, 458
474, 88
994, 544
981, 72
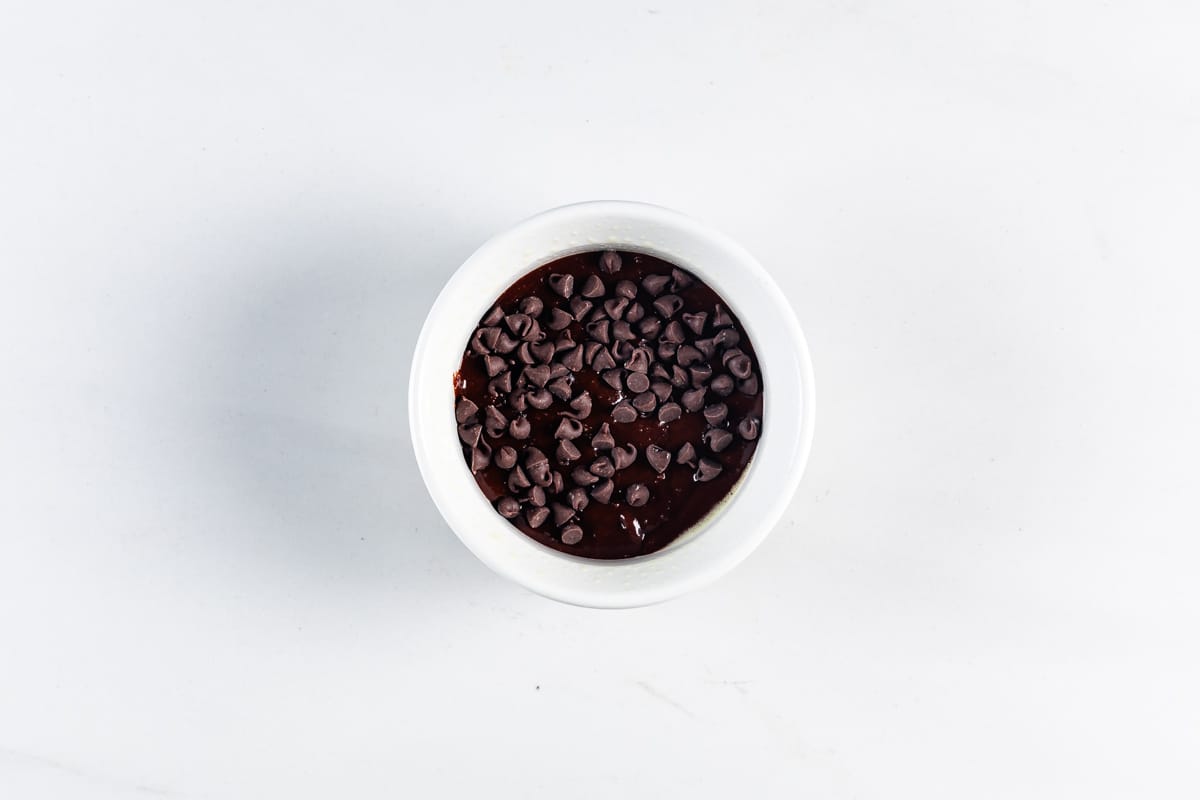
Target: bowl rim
675, 569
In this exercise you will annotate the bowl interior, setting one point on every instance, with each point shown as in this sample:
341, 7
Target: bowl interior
726, 536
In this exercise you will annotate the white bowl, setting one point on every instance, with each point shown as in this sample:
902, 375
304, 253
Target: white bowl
726, 536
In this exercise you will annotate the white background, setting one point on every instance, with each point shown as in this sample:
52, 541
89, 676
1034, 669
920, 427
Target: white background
221, 225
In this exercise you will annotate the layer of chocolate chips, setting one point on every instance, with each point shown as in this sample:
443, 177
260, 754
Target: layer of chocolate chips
607, 402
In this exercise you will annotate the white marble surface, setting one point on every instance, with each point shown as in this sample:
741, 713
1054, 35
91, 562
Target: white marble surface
220, 225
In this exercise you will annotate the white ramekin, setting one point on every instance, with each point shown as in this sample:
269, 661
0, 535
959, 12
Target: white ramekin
729, 534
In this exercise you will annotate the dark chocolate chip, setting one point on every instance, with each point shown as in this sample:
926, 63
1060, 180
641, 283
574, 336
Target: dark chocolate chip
612, 377
624, 455
696, 321
727, 337
559, 319
635, 313
519, 324
610, 262
592, 287
493, 317
562, 285
707, 470
578, 499
679, 376
661, 390
465, 410
668, 305
615, 307
680, 279
506, 457
716, 413
624, 412
534, 457
639, 361
582, 405
666, 350
568, 428
562, 514
518, 403
572, 534
480, 456
645, 402
688, 355
537, 495
637, 382
537, 516
700, 374
494, 365
525, 353
501, 384
722, 385
541, 399
519, 428
658, 457
706, 346
626, 289
599, 330
590, 350
517, 479
494, 422
579, 307
564, 342
560, 388
505, 344
749, 386
470, 433
654, 284
669, 412
650, 326
721, 318
621, 349
532, 306
686, 454
603, 361
556, 482
637, 495
748, 428
693, 399
538, 375
582, 477
508, 507
603, 440
622, 331
602, 492
740, 366
543, 351
673, 333
573, 360
558, 371
659, 372
567, 452
602, 467
717, 439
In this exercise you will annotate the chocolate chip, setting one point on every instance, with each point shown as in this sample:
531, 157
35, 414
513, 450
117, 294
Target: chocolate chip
637, 495
654, 284
538, 375
624, 412
531, 305
707, 470
706, 346
668, 305
558, 371
658, 457
494, 365
560, 388
564, 342
580, 307
590, 350
686, 454
562, 514
544, 351
721, 318
659, 372
624, 455
645, 402
722, 385
556, 482
573, 360
518, 402
599, 330
505, 343
603, 440
508, 507
661, 390
637, 382
493, 317
727, 337
621, 349
582, 405
578, 499
615, 307
673, 333
700, 374
582, 477
639, 361
602, 467
525, 353
559, 319
534, 458
537, 495
680, 279
669, 412
626, 289
650, 327
494, 422
622, 331
740, 366
612, 377
696, 321
519, 324
572, 534
603, 361
484, 339
562, 285
506, 457
541, 399
679, 376
688, 355
568, 428
517, 479
537, 516
610, 262
567, 452
717, 439
480, 455
666, 350
470, 433
519, 428
464, 410
635, 313
602, 492
749, 386
693, 399
716, 413
592, 286
748, 428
